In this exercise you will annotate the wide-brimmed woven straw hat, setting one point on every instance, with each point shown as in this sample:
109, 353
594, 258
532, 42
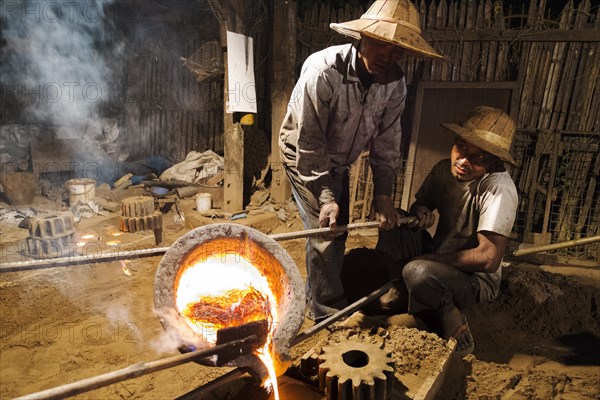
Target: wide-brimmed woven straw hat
393, 21
490, 129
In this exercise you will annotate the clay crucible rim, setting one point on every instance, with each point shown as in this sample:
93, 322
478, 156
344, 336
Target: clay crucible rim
290, 294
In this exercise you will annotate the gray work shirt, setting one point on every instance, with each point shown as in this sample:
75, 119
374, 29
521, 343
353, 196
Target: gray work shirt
331, 119
488, 204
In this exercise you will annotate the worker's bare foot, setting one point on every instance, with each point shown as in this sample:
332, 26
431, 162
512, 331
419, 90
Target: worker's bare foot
456, 325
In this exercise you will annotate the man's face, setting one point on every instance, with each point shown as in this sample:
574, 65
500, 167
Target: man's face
468, 162
378, 55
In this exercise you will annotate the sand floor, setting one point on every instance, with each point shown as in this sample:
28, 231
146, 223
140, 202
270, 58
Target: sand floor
538, 340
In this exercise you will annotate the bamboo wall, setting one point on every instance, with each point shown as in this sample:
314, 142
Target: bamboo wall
555, 61
165, 111
176, 114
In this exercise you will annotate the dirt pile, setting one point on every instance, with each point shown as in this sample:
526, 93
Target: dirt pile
538, 340
535, 304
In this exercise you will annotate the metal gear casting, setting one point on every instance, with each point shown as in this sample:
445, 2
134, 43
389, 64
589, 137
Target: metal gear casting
356, 370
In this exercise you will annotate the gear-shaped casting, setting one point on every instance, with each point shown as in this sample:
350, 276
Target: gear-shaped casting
356, 370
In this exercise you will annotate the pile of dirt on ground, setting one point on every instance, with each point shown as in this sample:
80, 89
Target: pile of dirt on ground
535, 304
538, 340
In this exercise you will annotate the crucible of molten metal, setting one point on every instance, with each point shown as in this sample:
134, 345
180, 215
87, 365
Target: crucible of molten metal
222, 276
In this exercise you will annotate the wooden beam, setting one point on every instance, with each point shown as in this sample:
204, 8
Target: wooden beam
284, 65
550, 35
233, 134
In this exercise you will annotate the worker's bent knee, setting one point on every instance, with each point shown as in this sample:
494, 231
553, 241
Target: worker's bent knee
420, 274
415, 271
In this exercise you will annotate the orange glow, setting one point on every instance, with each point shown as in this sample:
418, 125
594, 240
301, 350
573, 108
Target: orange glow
113, 243
117, 233
218, 289
221, 292
87, 237
267, 360
124, 268
235, 307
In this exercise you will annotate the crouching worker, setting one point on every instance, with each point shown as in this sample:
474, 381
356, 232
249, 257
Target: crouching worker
476, 200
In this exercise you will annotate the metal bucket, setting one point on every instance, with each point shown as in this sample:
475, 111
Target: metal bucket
82, 189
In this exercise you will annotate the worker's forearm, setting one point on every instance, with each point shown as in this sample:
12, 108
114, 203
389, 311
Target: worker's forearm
480, 259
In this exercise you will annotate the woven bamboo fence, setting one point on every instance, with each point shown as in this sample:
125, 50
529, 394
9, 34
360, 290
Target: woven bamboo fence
556, 62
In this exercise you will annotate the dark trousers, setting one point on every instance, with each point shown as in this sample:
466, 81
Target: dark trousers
421, 285
430, 285
324, 256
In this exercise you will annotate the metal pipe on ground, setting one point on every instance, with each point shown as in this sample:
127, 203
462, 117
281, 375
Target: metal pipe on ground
555, 246
203, 390
357, 305
124, 255
133, 371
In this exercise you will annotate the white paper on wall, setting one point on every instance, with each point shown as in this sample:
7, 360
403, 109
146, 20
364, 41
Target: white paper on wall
241, 95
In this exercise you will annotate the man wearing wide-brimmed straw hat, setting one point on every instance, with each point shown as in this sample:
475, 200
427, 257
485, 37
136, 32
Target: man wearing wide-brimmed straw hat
348, 98
477, 201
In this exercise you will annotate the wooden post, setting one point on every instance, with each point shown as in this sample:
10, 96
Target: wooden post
233, 134
233, 146
284, 66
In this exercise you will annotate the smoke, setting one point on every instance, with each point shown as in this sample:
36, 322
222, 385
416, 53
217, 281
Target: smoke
54, 62
178, 335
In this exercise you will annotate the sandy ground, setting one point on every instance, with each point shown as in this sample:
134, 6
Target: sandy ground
538, 340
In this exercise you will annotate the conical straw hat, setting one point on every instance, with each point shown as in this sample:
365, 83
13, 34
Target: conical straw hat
393, 21
490, 129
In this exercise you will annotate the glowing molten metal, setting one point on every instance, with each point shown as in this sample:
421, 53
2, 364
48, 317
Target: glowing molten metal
223, 291
219, 277
226, 290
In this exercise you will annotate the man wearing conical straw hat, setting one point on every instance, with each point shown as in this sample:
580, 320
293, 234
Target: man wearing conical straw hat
477, 201
348, 98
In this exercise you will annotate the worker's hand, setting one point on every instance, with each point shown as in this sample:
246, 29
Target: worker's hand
425, 217
328, 215
385, 212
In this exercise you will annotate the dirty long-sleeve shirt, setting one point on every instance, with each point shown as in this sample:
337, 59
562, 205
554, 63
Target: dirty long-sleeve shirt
331, 119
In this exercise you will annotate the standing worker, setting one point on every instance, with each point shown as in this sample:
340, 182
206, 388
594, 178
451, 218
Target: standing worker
348, 98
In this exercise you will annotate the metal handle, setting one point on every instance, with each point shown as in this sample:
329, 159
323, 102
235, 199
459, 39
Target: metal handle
337, 229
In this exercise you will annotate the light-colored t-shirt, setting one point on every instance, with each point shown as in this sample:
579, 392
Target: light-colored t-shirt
465, 208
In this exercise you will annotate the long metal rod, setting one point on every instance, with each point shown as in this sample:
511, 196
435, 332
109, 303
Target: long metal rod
555, 246
339, 229
64, 261
124, 255
342, 313
133, 371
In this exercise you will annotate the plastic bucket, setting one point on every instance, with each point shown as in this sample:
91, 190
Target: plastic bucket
203, 202
83, 189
